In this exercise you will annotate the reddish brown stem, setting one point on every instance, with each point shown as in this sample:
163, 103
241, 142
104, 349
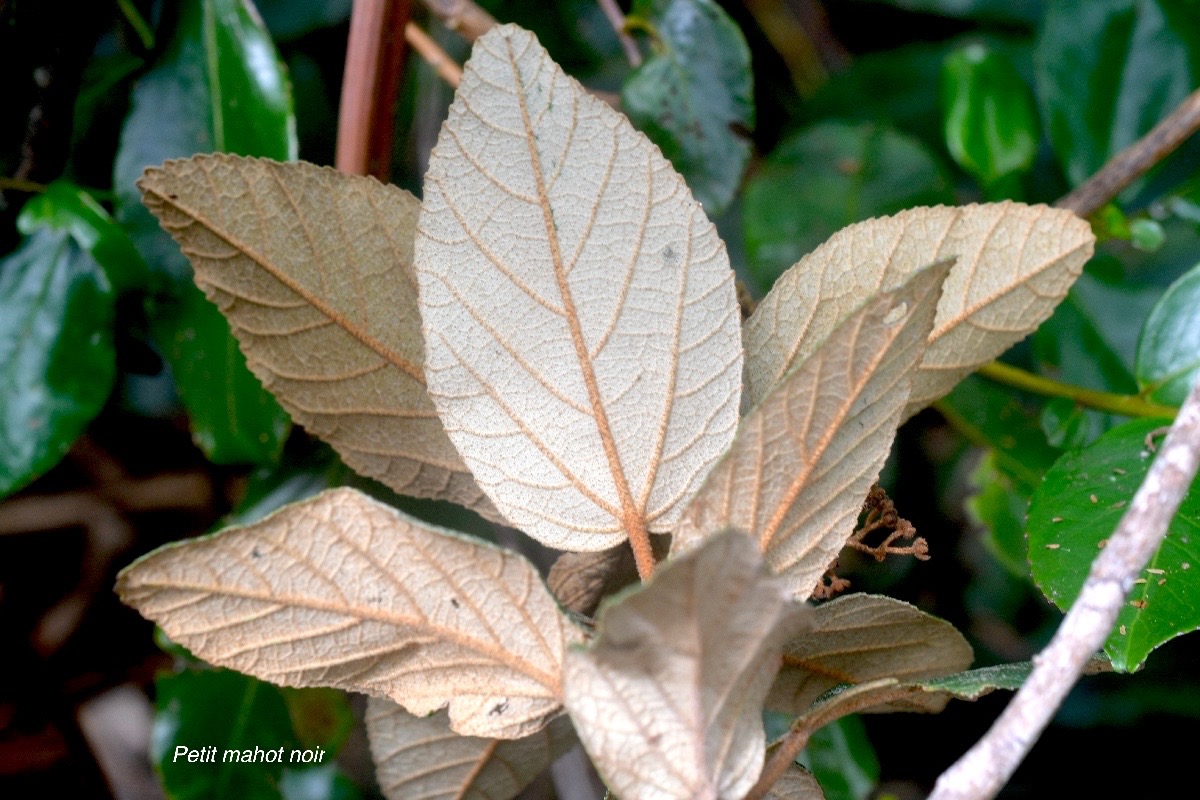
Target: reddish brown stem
374, 58
446, 67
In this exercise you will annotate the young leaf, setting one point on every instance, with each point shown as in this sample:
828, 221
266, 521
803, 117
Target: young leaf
860, 638
579, 312
313, 269
693, 94
422, 757
795, 477
1168, 353
668, 699
1015, 262
796, 784
343, 591
1077, 508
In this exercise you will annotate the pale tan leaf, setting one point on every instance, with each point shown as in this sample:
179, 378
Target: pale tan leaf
804, 459
860, 638
421, 756
313, 269
668, 699
580, 315
581, 580
1015, 263
796, 784
341, 590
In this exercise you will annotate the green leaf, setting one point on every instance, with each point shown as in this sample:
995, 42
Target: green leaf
218, 87
1109, 70
1011, 12
1084, 496
990, 122
1000, 509
992, 417
1068, 425
66, 207
321, 717
291, 19
1168, 353
227, 711
975, 683
694, 96
824, 178
57, 359
841, 758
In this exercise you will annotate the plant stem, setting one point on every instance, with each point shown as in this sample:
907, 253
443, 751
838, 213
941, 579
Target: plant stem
21, 185
1133, 162
1125, 404
445, 66
617, 19
374, 57
139, 25
463, 17
987, 766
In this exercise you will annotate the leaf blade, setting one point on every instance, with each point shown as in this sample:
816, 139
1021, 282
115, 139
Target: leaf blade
529, 362
1015, 262
418, 623
287, 252
678, 671
796, 475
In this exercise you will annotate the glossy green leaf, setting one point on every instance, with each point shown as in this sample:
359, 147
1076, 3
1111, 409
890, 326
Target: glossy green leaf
218, 87
841, 758
1084, 496
1168, 354
1068, 425
694, 95
66, 207
226, 711
57, 360
826, 177
1109, 70
989, 118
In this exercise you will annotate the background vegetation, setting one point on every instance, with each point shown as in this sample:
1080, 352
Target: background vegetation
128, 418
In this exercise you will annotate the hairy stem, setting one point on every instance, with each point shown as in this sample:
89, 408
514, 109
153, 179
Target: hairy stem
984, 770
463, 17
1126, 404
1133, 162
616, 18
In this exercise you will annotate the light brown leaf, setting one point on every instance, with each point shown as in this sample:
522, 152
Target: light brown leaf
580, 315
1015, 262
860, 638
796, 784
581, 580
668, 699
421, 756
804, 459
313, 269
341, 590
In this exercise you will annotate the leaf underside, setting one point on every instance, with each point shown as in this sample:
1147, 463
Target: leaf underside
579, 311
796, 475
344, 591
313, 269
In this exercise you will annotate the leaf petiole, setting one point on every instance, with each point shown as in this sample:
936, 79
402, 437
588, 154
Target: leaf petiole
1125, 404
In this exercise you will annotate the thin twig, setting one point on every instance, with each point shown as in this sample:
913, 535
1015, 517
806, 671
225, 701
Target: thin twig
1133, 162
984, 770
463, 17
446, 67
137, 22
374, 57
21, 185
616, 18
1126, 404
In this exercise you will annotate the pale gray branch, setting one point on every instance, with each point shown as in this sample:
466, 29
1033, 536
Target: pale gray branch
991, 762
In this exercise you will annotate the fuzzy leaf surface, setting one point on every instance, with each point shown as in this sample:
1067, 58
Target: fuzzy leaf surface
668, 699
581, 580
860, 638
796, 784
344, 591
1014, 263
579, 311
422, 757
796, 475
313, 270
